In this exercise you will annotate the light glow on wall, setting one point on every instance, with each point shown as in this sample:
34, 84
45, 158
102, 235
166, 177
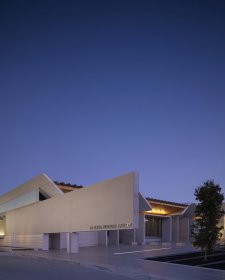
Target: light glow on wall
2, 228
158, 211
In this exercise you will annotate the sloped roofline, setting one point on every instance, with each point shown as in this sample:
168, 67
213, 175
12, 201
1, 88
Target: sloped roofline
144, 205
165, 202
41, 181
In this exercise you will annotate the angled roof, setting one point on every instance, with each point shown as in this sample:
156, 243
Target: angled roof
166, 202
67, 187
28, 193
102, 205
165, 208
143, 204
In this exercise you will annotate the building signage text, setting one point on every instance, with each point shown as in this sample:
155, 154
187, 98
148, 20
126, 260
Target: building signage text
113, 226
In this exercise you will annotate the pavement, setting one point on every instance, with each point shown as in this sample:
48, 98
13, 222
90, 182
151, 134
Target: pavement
129, 261
23, 268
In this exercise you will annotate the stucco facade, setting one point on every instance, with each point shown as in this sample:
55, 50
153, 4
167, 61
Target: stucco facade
43, 214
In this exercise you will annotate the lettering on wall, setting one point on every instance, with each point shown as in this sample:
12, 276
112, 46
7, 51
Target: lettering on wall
114, 226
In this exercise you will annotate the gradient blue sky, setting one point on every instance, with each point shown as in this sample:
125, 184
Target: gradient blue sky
90, 90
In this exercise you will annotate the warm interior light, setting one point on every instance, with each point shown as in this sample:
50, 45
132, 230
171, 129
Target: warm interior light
157, 211
2, 233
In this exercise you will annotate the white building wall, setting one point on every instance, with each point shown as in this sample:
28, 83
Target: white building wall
24, 241
63, 213
184, 229
7, 240
87, 239
2, 227
140, 232
136, 201
63, 240
20, 201
29, 241
18, 195
56, 240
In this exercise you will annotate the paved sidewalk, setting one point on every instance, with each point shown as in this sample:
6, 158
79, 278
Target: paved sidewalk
24, 268
129, 261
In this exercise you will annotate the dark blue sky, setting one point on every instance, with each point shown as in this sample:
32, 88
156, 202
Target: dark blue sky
93, 89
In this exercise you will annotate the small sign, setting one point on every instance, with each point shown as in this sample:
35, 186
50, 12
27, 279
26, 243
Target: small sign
111, 227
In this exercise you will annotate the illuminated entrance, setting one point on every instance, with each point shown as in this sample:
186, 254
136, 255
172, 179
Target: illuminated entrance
153, 226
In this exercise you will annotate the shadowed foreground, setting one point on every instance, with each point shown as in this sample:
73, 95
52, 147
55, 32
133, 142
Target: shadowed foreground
17, 268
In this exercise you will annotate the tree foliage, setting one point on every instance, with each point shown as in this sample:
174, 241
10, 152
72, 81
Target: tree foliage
206, 230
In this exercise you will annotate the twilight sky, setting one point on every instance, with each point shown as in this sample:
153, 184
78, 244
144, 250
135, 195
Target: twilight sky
90, 90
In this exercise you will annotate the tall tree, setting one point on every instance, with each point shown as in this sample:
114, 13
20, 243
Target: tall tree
206, 230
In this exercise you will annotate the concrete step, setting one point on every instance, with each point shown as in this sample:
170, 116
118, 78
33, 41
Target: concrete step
167, 244
153, 241
10, 249
180, 244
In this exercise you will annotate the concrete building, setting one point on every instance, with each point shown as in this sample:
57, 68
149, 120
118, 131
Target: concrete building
46, 214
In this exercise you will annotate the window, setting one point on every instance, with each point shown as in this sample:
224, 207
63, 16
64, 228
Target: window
153, 226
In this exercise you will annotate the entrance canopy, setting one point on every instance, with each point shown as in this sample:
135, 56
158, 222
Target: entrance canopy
165, 208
